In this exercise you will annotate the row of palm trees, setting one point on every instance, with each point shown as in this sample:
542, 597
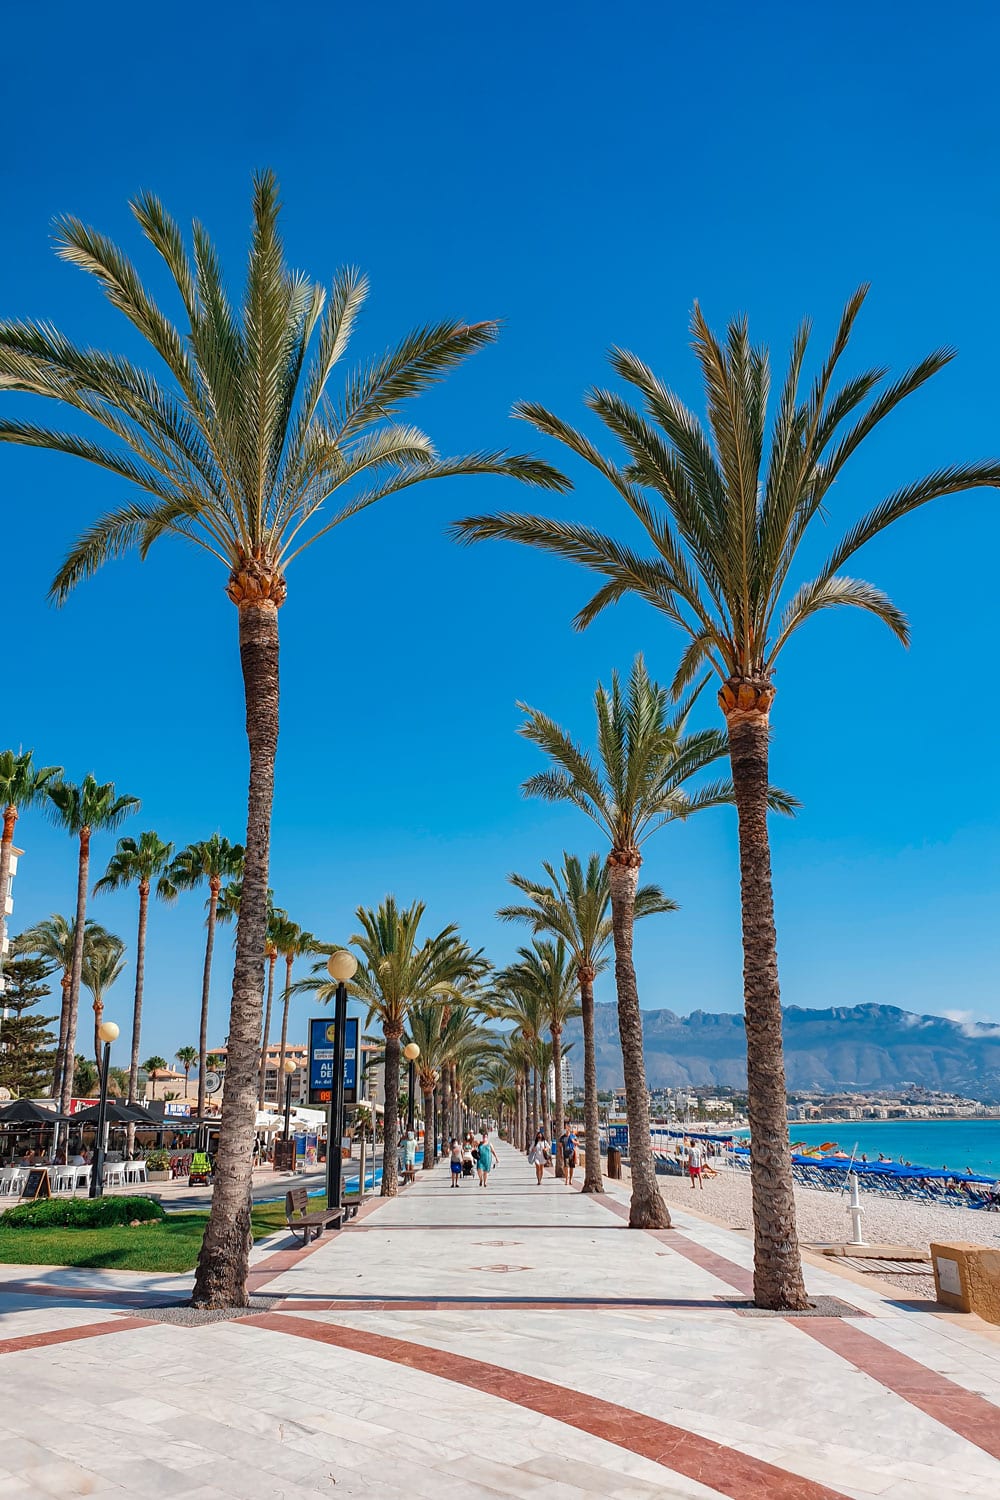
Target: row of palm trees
235, 443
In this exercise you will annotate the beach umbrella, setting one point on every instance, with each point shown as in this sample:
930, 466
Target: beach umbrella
115, 1114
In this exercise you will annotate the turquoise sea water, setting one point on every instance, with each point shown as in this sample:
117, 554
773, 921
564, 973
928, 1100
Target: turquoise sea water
956, 1144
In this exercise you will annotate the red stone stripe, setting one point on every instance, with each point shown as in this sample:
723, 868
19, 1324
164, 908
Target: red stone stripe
726, 1470
108, 1295
971, 1416
70, 1335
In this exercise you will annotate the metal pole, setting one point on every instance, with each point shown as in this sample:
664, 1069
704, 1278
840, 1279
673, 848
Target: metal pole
96, 1189
434, 1118
335, 1121
411, 1084
288, 1105
362, 1168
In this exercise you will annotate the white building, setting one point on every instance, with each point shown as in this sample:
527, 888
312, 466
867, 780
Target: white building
567, 1080
5, 911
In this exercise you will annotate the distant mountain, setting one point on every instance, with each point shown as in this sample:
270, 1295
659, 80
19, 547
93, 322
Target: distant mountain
866, 1046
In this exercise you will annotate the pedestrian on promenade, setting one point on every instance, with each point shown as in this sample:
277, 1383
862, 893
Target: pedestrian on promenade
456, 1163
695, 1164
539, 1155
486, 1160
569, 1149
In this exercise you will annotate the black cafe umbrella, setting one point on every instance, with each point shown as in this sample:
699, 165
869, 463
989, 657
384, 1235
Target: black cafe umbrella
26, 1112
115, 1114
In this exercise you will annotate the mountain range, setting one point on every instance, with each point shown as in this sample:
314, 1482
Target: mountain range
856, 1046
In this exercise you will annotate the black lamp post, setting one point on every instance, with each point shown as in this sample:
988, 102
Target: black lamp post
108, 1033
290, 1067
342, 967
411, 1052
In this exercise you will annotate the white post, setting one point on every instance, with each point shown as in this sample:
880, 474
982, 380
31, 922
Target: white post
854, 1209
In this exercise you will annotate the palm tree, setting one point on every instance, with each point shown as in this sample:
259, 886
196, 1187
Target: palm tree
81, 810
214, 859
399, 971
239, 451
22, 785
727, 509
151, 1067
575, 905
634, 787
54, 939
547, 972
187, 1057
139, 862
522, 1006
102, 967
443, 1033
87, 1074
292, 943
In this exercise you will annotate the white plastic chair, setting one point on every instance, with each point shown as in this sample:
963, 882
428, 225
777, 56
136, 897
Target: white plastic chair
6, 1181
19, 1176
63, 1179
82, 1179
135, 1171
114, 1174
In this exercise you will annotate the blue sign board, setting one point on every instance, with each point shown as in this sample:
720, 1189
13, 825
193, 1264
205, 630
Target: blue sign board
322, 1039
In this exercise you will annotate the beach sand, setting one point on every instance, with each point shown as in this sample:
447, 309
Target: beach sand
823, 1217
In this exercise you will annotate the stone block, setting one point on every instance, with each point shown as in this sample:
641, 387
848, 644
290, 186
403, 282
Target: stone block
967, 1277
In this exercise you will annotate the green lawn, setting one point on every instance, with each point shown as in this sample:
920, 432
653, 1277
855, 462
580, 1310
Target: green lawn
169, 1245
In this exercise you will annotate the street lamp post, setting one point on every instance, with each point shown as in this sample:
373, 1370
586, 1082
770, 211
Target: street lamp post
342, 966
411, 1052
290, 1066
108, 1033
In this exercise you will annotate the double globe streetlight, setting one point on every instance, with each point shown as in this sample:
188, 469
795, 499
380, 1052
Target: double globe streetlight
411, 1052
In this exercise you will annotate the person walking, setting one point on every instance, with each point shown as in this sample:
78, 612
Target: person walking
539, 1155
486, 1159
456, 1163
696, 1162
569, 1151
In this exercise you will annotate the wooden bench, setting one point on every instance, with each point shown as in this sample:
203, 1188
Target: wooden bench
302, 1220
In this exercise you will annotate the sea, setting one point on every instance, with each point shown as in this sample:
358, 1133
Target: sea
955, 1144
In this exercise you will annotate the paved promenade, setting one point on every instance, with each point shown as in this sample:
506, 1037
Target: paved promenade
518, 1341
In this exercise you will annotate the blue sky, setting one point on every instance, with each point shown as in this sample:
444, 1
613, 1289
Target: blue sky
583, 173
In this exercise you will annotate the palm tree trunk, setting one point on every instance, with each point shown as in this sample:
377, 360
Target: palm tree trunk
560, 1120
390, 1120
777, 1275
593, 1182
647, 1209
98, 1018
214, 886
82, 882
6, 847
220, 1280
428, 1161
60, 1065
272, 961
535, 1116
446, 1130
140, 975
289, 961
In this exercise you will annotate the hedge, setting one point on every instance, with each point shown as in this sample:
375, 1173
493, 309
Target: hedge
80, 1213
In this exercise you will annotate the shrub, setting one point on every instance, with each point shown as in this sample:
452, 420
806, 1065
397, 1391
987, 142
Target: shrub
158, 1161
81, 1213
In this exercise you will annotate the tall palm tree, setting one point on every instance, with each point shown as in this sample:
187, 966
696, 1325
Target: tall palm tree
240, 450
214, 860
102, 967
151, 1067
575, 905
727, 508
633, 788
521, 1005
54, 938
139, 862
82, 810
547, 972
22, 785
187, 1057
292, 943
443, 1033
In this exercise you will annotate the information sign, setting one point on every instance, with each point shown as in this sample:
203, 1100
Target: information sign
322, 1037
38, 1184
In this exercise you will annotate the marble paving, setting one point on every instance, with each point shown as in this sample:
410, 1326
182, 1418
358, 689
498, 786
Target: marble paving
517, 1341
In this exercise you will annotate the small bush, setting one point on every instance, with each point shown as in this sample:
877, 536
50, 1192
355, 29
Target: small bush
81, 1213
158, 1161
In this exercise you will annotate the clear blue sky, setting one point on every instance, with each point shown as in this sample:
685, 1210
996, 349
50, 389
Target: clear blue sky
583, 172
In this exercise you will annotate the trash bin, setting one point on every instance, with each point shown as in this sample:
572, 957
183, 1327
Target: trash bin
614, 1162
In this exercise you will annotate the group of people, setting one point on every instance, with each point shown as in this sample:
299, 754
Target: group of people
472, 1155
540, 1154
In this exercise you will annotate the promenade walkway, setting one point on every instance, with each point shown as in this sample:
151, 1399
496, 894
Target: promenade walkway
518, 1341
